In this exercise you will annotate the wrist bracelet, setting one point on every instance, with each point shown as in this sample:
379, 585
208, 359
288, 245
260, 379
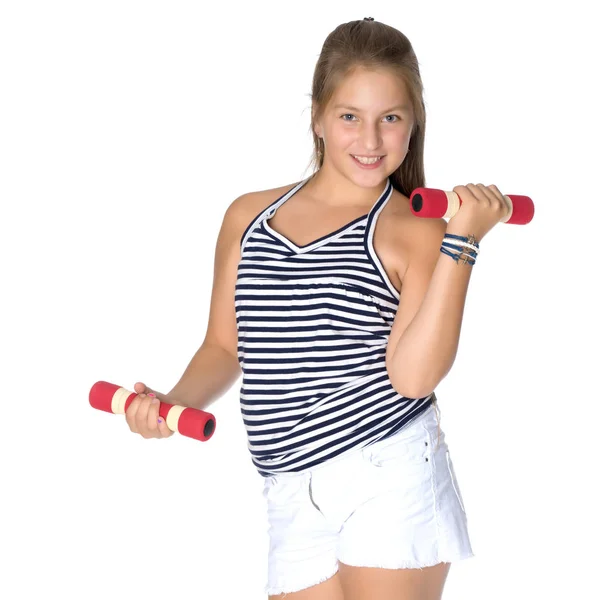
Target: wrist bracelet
467, 248
460, 245
466, 259
471, 239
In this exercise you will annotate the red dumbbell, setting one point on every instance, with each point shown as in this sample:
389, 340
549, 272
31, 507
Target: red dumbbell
432, 203
191, 422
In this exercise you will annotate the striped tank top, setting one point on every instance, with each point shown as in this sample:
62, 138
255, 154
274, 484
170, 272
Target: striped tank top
313, 324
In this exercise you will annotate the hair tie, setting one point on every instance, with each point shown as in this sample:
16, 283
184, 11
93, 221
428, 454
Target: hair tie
368, 19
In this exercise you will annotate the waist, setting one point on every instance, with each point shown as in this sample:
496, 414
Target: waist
306, 447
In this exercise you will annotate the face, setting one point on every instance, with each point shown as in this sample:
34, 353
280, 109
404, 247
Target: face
368, 116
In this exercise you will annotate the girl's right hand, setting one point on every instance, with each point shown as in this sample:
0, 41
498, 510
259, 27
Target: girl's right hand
142, 414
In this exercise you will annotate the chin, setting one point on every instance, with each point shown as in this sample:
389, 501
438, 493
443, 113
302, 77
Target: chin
369, 179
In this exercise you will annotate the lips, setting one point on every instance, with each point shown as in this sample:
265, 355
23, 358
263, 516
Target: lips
367, 165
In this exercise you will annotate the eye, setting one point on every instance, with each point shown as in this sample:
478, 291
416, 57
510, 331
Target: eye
396, 117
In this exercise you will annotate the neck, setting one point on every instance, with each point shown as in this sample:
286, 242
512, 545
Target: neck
334, 189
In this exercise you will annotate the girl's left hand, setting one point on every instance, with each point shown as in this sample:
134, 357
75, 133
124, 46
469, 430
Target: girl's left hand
481, 208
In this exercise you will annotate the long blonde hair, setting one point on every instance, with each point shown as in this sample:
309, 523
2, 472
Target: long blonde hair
371, 45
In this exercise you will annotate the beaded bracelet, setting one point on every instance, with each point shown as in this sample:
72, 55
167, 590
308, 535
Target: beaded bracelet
468, 247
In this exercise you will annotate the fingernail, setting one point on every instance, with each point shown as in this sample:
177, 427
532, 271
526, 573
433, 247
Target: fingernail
154, 400
160, 420
151, 394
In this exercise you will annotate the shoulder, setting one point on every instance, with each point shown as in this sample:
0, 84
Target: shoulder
413, 239
249, 205
424, 233
244, 209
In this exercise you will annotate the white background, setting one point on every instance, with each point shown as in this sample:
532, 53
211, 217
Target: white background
126, 129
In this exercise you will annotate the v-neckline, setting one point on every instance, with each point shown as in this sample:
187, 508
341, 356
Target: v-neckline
323, 239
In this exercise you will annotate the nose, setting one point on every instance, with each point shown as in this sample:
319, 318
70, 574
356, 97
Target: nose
371, 138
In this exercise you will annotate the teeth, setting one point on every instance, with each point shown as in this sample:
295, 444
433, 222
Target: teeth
367, 161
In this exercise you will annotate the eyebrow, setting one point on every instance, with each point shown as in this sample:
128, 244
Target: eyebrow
398, 106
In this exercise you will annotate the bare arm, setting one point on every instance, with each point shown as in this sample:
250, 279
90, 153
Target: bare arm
424, 339
209, 375
214, 368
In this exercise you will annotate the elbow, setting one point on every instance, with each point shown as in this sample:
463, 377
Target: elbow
417, 374
414, 386
414, 390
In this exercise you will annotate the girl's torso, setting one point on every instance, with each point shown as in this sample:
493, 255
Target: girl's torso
316, 295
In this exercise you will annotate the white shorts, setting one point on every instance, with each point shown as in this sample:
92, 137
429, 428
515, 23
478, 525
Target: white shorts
395, 504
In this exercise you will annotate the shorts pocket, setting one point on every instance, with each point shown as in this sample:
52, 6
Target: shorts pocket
269, 485
404, 448
284, 490
412, 445
454, 481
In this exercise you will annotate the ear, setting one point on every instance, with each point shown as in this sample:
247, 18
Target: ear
316, 126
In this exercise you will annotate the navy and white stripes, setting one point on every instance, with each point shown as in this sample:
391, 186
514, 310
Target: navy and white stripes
313, 323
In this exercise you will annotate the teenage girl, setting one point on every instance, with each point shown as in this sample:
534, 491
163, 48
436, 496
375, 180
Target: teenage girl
342, 311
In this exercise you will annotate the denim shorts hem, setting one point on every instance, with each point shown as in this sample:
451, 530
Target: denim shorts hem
279, 588
407, 564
